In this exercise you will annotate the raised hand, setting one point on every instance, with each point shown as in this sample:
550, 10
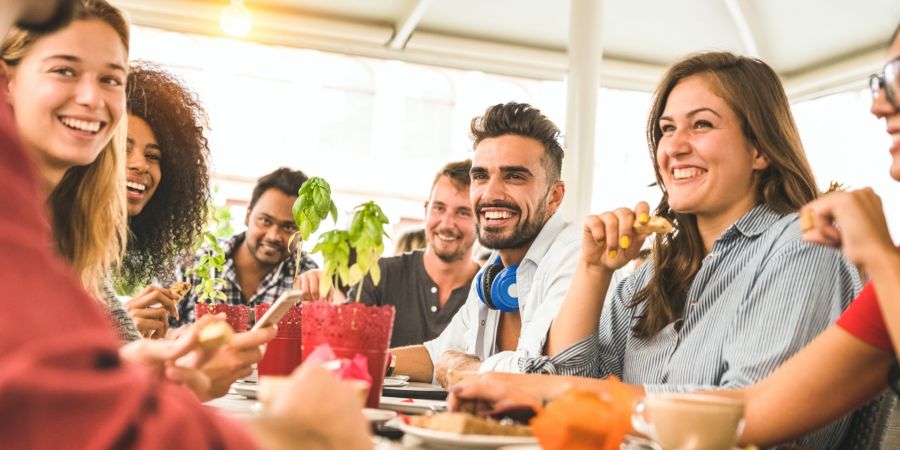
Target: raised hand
609, 240
853, 221
150, 311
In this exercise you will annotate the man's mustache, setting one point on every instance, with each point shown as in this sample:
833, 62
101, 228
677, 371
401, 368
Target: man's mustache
497, 204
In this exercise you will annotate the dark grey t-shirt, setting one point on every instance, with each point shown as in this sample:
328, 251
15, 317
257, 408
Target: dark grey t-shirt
406, 285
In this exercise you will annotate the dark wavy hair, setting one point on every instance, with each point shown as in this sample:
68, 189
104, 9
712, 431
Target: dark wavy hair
175, 216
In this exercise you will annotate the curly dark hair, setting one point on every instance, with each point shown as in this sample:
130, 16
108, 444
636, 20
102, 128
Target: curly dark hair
175, 216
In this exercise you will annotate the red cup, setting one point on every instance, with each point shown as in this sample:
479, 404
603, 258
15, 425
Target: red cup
284, 351
238, 316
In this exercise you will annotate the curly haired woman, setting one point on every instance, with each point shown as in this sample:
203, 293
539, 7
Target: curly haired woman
168, 188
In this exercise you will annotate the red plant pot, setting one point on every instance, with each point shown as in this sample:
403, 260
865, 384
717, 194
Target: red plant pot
351, 329
283, 352
238, 316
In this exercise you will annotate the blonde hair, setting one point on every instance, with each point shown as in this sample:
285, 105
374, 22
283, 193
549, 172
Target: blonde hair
88, 207
89, 214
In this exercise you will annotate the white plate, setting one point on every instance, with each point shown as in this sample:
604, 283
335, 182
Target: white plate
394, 382
412, 405
379, 415
246, 389
447, 440
398, 377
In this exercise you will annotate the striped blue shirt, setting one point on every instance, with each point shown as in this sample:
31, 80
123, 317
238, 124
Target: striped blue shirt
760, 295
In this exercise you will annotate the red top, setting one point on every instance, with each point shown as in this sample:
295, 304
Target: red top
863, 319
62, 384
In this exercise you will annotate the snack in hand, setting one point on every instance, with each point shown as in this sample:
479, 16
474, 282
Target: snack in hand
806, 221
656, 224
465, 423
180, 289
215, 335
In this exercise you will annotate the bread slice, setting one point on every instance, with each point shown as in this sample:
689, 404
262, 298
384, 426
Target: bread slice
215, 335
465, 423
180, 288
656, 224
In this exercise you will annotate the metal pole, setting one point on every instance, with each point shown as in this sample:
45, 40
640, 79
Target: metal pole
583, 84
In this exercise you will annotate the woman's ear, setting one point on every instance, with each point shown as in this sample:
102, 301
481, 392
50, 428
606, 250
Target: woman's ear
760, 160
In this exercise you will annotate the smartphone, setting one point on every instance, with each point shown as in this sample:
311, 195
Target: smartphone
278, 309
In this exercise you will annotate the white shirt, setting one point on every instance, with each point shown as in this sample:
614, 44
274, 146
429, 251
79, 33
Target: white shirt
542, 279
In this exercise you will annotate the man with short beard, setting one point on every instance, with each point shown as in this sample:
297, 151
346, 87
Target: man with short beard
259, 265
427, 286
516, 190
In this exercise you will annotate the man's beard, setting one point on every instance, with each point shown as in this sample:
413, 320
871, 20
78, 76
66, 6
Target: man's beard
449, 256
523, 234
256, 251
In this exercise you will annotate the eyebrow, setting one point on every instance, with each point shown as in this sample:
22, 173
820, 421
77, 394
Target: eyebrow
76, 59
503, 169
693, 113
275, 219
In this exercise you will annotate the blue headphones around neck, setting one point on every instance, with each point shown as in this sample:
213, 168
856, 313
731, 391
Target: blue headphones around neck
496, 286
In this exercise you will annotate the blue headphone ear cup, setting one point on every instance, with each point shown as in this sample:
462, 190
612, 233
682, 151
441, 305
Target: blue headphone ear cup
504, 292
484, 282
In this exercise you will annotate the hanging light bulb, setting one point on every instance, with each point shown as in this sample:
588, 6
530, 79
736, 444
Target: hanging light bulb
236, 19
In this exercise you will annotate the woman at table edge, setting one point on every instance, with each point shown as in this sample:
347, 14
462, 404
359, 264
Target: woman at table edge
847, 365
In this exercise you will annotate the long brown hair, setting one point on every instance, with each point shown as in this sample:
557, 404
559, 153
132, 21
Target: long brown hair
754, 92
87, 207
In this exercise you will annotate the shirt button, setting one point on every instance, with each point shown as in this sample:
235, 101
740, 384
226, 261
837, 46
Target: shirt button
434, 290
433, 308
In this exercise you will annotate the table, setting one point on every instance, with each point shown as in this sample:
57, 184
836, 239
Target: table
243, 408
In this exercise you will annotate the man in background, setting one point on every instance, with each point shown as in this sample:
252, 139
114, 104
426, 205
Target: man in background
259, 264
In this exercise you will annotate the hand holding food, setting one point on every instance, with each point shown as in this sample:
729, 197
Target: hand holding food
853, 221
150, 309
215, 335
613, 238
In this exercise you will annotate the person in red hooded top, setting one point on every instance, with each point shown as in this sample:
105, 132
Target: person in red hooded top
63, 382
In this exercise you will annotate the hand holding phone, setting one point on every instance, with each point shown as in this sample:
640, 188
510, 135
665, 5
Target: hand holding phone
278, 309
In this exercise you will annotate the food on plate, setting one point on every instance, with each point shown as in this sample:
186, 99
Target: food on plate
180, 289
215, 335
465, 423
581, 420
656, 224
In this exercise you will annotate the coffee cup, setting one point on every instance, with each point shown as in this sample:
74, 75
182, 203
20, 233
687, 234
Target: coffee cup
690, 421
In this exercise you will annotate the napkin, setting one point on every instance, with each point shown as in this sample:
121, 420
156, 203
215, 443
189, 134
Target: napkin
356, 368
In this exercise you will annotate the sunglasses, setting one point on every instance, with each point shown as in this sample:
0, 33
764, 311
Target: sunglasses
889, 82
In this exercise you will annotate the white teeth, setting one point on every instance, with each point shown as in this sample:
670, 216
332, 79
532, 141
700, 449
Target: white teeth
83, 125
682, 174
446, 237
137, 186
497, 215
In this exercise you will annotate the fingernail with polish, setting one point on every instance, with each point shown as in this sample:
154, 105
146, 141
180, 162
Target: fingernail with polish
625, 242
643, 218
612, 254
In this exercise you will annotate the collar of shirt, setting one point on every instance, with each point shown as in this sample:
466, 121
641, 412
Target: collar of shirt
752, 224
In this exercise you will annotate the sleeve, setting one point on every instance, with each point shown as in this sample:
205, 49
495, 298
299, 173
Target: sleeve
863, 319
63, 354
601, 354
799, 292
454, 336
552, 281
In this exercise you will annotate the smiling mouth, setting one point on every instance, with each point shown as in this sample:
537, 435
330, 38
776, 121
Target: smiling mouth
687, 174
136, 187
85, 126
